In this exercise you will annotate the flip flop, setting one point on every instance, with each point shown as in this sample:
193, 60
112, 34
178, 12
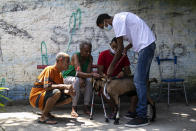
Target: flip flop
47, 121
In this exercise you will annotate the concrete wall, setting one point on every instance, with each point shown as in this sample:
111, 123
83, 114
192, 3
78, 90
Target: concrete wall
24, 24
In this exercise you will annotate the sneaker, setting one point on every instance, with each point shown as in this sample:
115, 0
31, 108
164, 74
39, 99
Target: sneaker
137, 122
130, 115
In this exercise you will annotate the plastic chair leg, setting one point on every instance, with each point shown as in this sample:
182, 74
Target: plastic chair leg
168, 99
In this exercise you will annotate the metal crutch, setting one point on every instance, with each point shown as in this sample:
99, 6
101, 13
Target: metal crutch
92, 104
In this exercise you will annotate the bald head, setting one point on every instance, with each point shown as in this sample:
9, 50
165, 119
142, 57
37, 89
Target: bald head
62, 61
61, 56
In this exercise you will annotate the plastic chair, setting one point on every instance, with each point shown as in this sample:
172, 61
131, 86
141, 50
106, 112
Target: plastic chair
173, 83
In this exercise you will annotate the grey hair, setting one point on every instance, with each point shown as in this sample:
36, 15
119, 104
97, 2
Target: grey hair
83, 43
61, 55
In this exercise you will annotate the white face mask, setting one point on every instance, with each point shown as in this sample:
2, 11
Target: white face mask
108, 28
112, 51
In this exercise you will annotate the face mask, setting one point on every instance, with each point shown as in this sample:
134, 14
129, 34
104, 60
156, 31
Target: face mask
112, 51
108, 28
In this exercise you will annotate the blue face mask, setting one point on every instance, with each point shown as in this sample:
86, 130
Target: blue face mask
108, 28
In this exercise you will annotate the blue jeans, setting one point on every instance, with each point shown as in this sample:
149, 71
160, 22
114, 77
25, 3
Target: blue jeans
141, 76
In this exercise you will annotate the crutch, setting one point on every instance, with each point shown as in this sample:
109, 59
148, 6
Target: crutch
117, 64
92, 104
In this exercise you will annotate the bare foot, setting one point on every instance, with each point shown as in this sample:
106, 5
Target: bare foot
86, 110
74, 114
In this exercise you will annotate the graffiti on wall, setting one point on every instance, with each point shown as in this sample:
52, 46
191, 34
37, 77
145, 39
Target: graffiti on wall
13, 7
1, 54
87, 3
164, 50
2, 83
59, 35
13, 30
96, 36
178, 49
91, 34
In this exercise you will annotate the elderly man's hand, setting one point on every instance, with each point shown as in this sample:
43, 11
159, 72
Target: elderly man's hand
71, 91
95, 75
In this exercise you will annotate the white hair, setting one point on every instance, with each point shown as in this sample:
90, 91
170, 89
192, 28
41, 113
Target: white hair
61, 55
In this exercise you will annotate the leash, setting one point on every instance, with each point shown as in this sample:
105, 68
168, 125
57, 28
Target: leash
118, 63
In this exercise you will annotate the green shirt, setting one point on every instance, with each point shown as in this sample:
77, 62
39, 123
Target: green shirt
71, 69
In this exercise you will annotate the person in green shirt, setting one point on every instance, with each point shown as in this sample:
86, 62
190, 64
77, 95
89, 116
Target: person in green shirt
80, 73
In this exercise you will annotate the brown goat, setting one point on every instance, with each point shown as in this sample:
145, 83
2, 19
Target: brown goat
118, 87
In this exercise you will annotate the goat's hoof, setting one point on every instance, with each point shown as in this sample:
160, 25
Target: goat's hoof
106, 120
116, 122
91, 118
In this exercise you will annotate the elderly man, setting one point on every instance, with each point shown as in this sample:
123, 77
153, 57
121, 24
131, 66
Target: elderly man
80, 73
49, 90
130, 27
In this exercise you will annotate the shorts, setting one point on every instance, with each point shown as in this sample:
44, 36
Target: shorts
50, 94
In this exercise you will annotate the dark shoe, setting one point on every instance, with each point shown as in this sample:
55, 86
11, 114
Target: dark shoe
137, 122
130, 115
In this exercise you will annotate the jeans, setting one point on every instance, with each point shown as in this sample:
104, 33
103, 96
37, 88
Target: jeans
141, 76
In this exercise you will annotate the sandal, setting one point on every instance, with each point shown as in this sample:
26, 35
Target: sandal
49, 115
47, 121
